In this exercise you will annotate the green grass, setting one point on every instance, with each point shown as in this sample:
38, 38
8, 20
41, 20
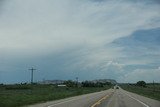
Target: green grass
19, 95
149, 91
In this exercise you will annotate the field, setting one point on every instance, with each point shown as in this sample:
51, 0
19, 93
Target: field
151, 91
19, 95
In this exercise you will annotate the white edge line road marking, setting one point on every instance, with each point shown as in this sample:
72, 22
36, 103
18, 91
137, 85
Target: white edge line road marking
69, 100
138, 100
61, 102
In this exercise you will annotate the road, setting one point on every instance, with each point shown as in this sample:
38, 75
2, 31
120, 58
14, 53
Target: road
108, 98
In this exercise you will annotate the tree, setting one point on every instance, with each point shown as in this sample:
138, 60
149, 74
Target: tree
92, 84
141, 83
70, 83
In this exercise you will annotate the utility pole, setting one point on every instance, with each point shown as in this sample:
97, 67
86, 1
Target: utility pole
153, 86
32, 69
77, 81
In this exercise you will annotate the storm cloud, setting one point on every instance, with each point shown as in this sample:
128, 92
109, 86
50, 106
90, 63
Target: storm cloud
68, 38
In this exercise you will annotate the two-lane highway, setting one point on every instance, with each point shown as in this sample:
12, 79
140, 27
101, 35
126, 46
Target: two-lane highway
87, 100
123, 98
108, 98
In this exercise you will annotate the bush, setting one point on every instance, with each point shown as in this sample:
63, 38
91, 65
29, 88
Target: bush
141, 83
17, 87
92, 84
70, 83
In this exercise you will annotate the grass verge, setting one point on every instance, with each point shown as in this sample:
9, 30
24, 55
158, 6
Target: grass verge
149, 91
20, 95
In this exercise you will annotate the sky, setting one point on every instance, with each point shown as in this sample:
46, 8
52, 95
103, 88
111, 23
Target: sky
88, 39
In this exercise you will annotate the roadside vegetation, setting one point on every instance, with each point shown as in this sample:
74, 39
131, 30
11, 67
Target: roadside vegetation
26, 94
151, 90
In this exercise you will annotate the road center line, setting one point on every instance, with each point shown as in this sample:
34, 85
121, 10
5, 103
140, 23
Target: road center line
137, 100
65, 101
99, 101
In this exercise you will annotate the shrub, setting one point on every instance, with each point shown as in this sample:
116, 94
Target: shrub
141, 83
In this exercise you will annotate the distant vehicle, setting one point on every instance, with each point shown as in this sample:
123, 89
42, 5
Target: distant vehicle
116, 87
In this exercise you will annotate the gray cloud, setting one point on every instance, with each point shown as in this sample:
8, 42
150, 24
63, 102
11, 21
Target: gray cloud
63, 36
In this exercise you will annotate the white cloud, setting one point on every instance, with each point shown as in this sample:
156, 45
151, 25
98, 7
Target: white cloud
38, 27
147, 75
111, 63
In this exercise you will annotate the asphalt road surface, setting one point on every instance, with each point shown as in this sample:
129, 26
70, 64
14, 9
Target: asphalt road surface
108, 98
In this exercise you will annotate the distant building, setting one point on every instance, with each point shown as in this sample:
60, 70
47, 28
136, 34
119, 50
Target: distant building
61, 85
